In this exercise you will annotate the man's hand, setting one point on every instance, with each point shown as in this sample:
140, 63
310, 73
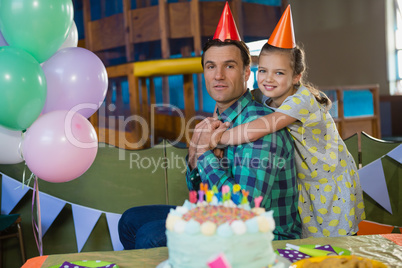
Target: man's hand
218, 152
206, 136
211, 130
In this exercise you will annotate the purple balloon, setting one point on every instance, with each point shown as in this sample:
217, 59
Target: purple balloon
60, 146
3, 41
76, 79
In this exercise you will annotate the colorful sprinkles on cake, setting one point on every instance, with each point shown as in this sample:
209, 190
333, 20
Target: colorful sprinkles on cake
218, 214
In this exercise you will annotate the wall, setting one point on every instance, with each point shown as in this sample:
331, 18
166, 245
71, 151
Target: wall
344, 40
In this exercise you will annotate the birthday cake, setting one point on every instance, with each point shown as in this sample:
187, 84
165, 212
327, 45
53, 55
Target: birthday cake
222, 229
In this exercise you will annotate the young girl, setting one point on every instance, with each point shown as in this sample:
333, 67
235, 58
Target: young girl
330, 195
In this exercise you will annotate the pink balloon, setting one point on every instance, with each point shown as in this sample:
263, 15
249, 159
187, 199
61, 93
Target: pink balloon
75, 76
60, 146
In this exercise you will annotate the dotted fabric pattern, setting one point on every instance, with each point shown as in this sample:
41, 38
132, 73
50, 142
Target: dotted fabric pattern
294, 255
67, 264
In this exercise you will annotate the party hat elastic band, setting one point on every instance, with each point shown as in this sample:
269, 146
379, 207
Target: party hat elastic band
283, 35
227, 27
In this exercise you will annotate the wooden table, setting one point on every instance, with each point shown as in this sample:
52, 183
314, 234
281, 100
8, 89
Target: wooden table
371, 246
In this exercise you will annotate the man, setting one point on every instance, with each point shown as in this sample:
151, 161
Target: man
263, 168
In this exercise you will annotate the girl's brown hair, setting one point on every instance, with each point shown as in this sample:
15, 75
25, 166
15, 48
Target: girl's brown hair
298, 64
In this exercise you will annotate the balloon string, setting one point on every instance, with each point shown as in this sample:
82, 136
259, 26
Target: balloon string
34, 226
23, 177
37, 228
39, 217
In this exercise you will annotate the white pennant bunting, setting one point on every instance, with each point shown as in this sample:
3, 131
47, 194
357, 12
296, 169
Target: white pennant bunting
84, 222
113, 221
11, 193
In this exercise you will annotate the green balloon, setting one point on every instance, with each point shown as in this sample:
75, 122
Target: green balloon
39, 27
22, 88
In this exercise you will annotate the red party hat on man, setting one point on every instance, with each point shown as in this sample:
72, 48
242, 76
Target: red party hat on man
283, 35
227, 27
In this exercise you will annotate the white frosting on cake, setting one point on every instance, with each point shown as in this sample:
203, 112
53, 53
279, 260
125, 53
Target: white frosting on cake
195, 237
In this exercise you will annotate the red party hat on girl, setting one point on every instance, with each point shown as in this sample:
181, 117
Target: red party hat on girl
283, 35
227, 27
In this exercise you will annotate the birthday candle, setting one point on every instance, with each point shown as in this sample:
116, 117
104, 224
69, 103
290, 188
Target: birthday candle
225, 189
257, 201
236, 198
245, 194
219, 196
209, 194
200, 196
236, 188
228, 196
204, 187
215, 189
193, 197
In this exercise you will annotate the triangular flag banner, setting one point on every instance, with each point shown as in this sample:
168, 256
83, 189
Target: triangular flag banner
11, 193
113, 222
84, 222
373, 183
283, 35
50, 207
226, 28
396, 153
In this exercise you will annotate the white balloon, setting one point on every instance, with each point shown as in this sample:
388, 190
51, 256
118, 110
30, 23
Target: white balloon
72, 38
10, 151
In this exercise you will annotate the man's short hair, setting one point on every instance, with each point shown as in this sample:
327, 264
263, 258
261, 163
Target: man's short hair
245, 52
